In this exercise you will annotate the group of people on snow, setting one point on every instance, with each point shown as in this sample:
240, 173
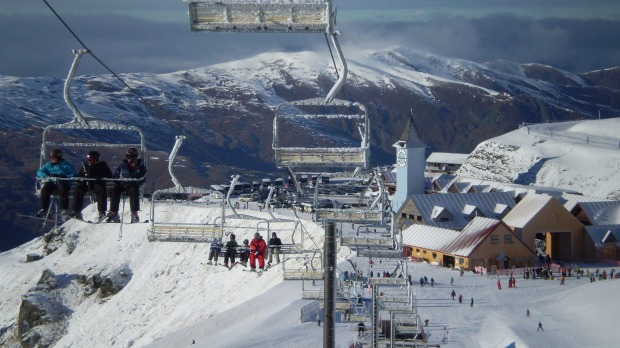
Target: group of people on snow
57, 175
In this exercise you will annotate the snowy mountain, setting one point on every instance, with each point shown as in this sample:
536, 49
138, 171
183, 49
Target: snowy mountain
583, 156
226, 111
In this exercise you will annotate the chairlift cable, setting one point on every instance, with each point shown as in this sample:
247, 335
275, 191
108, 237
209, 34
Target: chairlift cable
132, 90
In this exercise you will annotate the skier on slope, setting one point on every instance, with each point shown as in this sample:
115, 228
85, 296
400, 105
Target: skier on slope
257, 251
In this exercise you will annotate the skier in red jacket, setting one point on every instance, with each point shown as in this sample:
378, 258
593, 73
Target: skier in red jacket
257, 251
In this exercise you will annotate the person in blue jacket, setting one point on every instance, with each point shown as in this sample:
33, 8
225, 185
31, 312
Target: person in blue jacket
214, 252
131, 168
56, 168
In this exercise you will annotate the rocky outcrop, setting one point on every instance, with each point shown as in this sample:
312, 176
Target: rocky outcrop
42, 315
46, 309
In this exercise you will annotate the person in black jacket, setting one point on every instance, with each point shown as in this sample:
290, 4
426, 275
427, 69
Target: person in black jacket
93, 168
274, 248
231, 250
131, 168
244, 252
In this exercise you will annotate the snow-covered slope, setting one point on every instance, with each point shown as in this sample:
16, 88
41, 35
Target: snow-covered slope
168, 285
583, 156
106, 291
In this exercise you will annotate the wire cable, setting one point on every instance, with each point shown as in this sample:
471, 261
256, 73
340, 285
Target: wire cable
144, 102
91, 52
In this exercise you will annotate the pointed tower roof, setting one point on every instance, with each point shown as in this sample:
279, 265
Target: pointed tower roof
411, 136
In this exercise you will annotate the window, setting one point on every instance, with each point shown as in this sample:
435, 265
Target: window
494, 240
508, 239
418, 218
403, 215
434, 255
411, 216
423, 251
417, 250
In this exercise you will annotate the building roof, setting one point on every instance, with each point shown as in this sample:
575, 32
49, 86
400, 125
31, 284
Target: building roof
527, 208
447, 157
388, 176
411, 136
604, 234
472, 235
456, 208
442, 181
571, 200
602, 213
429, 237
451, 242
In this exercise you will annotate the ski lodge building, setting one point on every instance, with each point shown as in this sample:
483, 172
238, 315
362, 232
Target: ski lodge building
461, 222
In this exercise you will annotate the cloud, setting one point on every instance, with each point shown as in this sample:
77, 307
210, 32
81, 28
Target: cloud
571, 44
37, 44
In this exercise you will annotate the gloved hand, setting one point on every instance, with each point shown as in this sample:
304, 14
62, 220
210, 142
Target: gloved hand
255, 252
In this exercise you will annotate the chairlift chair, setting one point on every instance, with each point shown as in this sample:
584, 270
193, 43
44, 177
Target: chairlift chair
87, 133
259, 17
307, 268
375, 212
317, 113
311, 16
80, 125
180, 231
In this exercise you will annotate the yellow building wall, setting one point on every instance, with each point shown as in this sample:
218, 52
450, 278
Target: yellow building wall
418, 253
553, 217
486, 253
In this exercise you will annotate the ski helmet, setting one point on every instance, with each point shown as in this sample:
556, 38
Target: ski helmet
94, 155
132, 152
56, 153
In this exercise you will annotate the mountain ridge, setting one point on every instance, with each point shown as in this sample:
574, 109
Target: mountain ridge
226, 110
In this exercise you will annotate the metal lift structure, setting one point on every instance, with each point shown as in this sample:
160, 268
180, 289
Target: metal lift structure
87, 134
310, 16
182, 231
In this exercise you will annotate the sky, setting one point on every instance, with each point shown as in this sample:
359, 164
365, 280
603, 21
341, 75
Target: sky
173, 299
154, 36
